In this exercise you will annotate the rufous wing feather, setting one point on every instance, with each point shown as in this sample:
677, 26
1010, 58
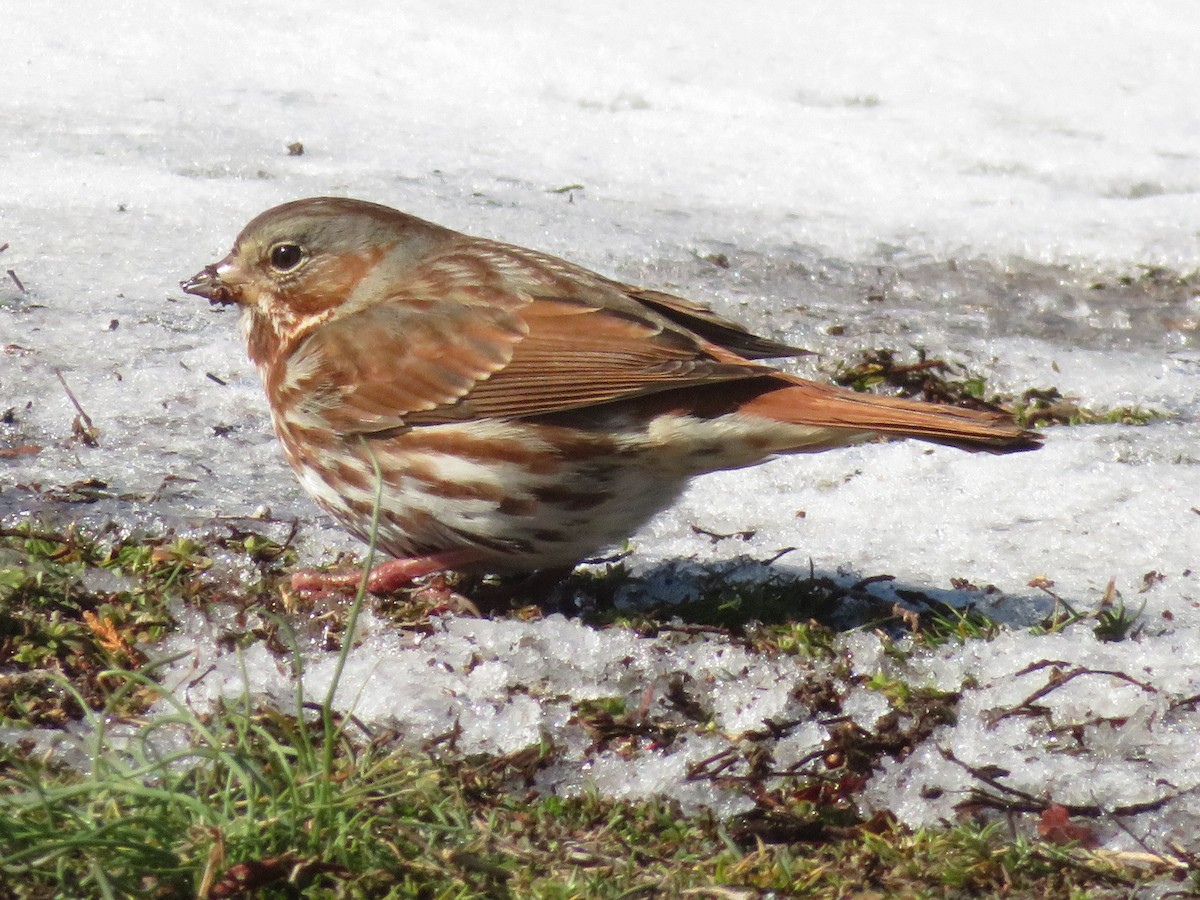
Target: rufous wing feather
417, 359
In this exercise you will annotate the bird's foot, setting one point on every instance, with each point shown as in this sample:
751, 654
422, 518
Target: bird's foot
384, 578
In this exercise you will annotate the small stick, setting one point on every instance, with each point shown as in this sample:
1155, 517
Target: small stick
3, 246
87, 420
16, 280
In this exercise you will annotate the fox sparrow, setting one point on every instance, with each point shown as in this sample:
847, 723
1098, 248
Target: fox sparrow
523, 412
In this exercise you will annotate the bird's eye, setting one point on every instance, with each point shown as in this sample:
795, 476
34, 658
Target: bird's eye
285, 257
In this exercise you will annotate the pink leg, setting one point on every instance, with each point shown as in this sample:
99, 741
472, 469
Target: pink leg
385, 577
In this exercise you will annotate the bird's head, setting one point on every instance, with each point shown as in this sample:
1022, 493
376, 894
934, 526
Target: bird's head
296, 265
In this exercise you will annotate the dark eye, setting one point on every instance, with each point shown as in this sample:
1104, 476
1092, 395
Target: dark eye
285, 257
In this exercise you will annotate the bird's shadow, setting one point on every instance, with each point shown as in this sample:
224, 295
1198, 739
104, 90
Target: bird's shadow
742, 593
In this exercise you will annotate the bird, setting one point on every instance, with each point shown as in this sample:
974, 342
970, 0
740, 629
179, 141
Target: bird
478, 407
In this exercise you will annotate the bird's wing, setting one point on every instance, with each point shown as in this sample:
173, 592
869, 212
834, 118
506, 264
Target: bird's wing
703, 321
507, 341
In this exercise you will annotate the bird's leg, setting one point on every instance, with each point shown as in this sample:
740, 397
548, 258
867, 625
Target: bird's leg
385, 577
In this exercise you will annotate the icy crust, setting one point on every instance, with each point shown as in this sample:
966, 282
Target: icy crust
1065, 719
504, 687
500, 687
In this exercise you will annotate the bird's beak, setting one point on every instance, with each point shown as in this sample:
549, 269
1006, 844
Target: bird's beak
212, 283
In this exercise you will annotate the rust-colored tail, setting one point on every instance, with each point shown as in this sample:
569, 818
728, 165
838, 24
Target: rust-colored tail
802, 402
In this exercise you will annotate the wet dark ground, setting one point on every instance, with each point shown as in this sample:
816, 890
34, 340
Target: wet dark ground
958, 300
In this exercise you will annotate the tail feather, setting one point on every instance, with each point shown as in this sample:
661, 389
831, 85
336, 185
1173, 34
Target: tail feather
801, 402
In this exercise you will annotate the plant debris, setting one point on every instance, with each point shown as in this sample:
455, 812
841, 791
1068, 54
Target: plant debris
936, 381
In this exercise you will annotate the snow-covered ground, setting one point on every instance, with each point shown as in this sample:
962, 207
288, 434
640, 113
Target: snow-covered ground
988, 183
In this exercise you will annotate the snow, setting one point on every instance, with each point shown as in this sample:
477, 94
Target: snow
1003, 177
